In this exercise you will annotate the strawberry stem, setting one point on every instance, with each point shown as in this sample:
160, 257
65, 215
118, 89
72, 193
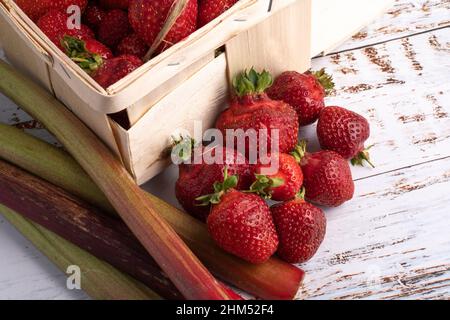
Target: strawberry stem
325, 80
300, 151
301, 194
252, 82
220, 188
263, 184
77, 51
362, 157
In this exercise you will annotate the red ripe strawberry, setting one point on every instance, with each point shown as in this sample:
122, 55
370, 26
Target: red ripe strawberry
197, 178
208, 10
327, 177
301, 229
38, 8
252, 109
241, 223
54, 25
344, 132
134, 45
113, 28
89, 54
112, 70
304, 92
148, 18
115, 4
93, 16
284, 184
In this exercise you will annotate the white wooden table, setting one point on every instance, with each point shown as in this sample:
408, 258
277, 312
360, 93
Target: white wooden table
393, 240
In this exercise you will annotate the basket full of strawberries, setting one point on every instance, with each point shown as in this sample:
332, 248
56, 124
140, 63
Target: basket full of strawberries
132, 70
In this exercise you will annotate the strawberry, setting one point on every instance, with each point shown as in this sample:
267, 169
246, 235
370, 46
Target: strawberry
134, 45
252, 109
344, 132
148, 18
112, 70
208, 10
89, 54
197, 178
54, 26
241, 223
282, 185
301, 229
113, 28
115, 4
93, 16
327, 177
304, 92
35, 9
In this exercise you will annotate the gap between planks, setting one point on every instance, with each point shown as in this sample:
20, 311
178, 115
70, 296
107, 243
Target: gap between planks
402, 168
381, 42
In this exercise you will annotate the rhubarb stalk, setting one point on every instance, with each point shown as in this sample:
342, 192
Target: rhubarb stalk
272, 280
99, 279
137, 210
101, 235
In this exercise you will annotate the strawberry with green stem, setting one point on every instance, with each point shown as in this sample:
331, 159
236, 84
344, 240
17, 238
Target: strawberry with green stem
252, 110
283, 184
197, 177
54, 26
89, 54
305, 92
327, 176
345, 132
240, 223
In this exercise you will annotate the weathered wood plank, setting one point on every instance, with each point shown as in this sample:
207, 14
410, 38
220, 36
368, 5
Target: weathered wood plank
402, 87
406, 18
390, 242
26, 272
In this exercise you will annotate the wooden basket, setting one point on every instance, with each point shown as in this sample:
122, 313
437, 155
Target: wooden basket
188, 82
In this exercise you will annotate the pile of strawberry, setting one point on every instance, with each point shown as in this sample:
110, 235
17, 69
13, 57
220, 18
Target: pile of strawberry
231, 195
116, 36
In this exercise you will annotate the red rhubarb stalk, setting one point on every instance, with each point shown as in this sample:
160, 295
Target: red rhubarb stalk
72, 219
272, 280
137, 210
101, 282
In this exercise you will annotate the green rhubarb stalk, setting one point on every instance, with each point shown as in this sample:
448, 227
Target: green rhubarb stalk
105, 237
99, 279
272, 280
32, 154
136, 209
